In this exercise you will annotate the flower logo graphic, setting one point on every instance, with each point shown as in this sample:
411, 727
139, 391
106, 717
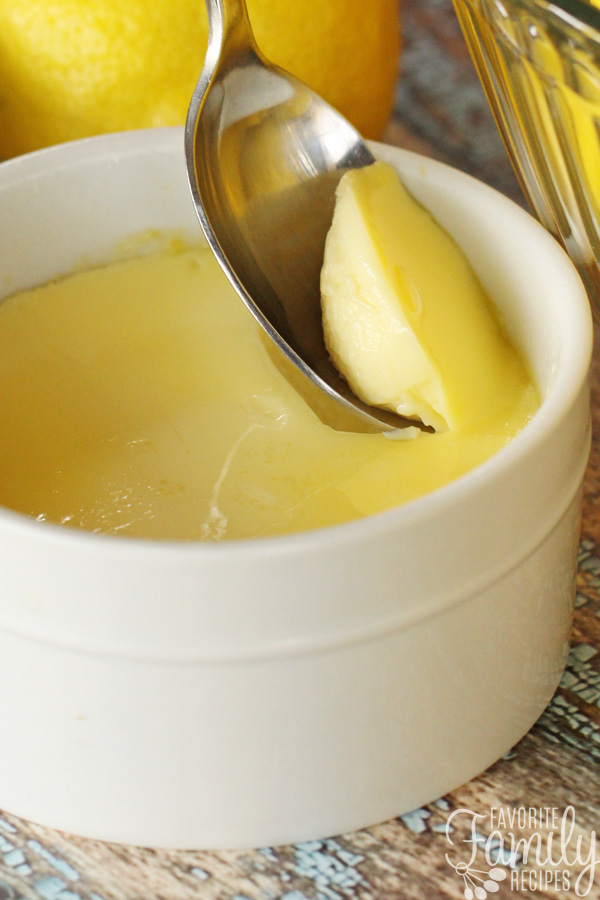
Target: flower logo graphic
488, 881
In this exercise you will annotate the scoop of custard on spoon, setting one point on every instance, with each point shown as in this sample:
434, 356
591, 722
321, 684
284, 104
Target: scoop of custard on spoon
264, 156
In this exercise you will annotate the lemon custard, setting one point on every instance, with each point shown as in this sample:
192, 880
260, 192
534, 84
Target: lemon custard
141, 399
405, 319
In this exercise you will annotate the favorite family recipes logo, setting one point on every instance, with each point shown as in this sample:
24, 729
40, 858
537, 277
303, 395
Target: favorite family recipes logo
526, 848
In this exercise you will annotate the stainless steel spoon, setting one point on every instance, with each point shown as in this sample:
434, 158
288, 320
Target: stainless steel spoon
264, 155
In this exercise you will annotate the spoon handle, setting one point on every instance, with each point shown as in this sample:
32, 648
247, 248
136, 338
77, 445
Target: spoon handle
229, 26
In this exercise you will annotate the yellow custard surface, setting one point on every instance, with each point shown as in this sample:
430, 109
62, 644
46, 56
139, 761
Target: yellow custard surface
405, 319
141, 399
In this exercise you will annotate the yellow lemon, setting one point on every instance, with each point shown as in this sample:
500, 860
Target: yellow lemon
73, 68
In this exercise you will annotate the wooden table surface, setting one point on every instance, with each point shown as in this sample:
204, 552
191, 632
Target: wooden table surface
440, 111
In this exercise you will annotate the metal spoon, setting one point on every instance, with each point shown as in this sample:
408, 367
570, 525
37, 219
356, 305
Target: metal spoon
264, 155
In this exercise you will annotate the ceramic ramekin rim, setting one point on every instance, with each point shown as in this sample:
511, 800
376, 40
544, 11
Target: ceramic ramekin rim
531, 440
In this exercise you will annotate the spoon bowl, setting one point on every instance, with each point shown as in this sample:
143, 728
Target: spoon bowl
264, 156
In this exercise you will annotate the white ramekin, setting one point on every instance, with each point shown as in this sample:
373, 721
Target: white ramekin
274, 690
